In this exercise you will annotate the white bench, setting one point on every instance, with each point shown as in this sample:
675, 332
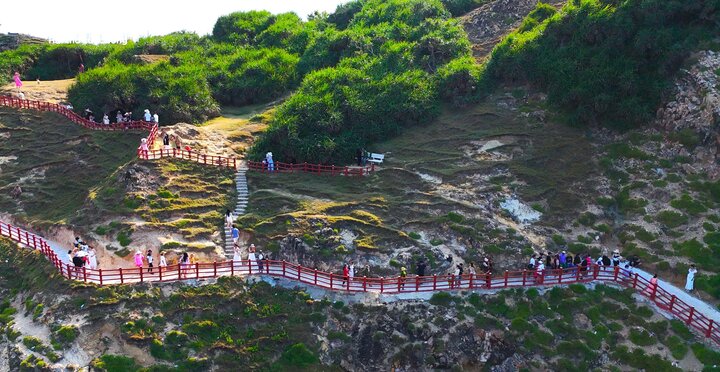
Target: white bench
375, 158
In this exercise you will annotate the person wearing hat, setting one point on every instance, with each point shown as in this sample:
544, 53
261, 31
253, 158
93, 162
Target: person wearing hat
138, 259
403, 275
690, 280
562, 259
147, 115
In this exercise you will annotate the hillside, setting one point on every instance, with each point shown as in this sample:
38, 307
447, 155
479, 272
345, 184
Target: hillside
508, 128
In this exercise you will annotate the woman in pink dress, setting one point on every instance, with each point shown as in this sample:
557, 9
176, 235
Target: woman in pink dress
139, 260
18, 82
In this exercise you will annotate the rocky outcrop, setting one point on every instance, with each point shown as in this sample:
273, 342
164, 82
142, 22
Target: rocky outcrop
487, 25
12, 40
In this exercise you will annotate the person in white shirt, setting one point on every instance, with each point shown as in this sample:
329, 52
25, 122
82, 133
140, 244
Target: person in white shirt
156, 118
106, 119
163, 261
149, 258
147, 115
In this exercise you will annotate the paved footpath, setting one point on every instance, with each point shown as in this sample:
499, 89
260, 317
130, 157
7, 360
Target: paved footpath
704, 308
242, 202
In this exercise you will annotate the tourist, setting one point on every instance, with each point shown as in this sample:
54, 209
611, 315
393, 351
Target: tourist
77, 261
18, 82
616, 258
127, 117
251, 256
178, 143
485, 265
106, 119
471, 270
147, 115
578, 260
562, 259
548, 259
539, 273
358, 156
403, 276
119, 117
163, 261
229, 218
92, 258
270, 162
458, 274
166, 141
531, 264
149, 258
690, 280
81, 68
16, 192
144, 151
265, 258
345, 274
184, 264
138, 259
260, 258
351, 271
156, 118
235, 235
237, 255
652, 287
21, 95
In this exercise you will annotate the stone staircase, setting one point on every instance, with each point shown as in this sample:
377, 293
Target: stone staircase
242, 202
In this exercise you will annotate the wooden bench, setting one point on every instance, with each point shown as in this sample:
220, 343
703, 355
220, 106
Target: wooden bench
375, 158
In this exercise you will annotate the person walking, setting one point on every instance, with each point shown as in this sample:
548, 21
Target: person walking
166, 142
652, 287
235, 235
144, 151
539, 273
138, 260
531, 264
260, 259
229, 219
421, 268
616, 258
403, 276
237, 256
690, 280
149, 258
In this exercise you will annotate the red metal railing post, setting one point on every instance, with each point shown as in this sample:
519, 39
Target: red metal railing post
434, 282
331, 281
635, 280
690, 316
617, 270
121, 276
506, 278
672, 302
315, 275
524, 276
596, 271
283, 267
382, 284
197, 270
250, 265
364, 283
709, 330
299, 270
215, 269
560, 272
101, 278
179, 271
141, 273
85, 274
417, 283
160, 273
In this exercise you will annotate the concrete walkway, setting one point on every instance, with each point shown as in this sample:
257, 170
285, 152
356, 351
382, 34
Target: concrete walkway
702, 307
242, 202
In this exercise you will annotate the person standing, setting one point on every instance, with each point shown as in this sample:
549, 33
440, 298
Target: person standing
156, 118
616, 258
421, 268
260, 259
184, 263
237, 256
351, 271
163, 261
690, 280
92, 258
539, 272
18, 82
531, 264
403, 276
106, 119
252, 260
147, 115
81, 68
346, 274
270, 162
471, 271
119, 117
149, 258
652, 286
144, 151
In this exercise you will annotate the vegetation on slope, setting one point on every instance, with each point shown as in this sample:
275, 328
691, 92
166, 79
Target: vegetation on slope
605, 61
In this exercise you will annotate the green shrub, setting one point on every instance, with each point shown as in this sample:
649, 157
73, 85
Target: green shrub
687, 204
414, 235
64, 335
587, 56
671, 219
641, 337
441, 299
299, 356
115, 363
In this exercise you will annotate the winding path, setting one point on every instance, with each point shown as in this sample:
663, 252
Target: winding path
696, 314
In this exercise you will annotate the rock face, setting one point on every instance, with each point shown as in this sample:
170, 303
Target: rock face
486, 25
695, 105
12, 40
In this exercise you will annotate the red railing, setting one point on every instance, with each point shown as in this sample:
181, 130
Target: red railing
312, 168
197, 157
71, 115
394, 285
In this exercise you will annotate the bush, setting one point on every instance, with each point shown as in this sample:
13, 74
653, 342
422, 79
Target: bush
442, 299
605, 61
299, 356
113, 363
671, 219
687, 204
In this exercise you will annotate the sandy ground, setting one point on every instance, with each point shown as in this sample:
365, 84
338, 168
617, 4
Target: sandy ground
54, 91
